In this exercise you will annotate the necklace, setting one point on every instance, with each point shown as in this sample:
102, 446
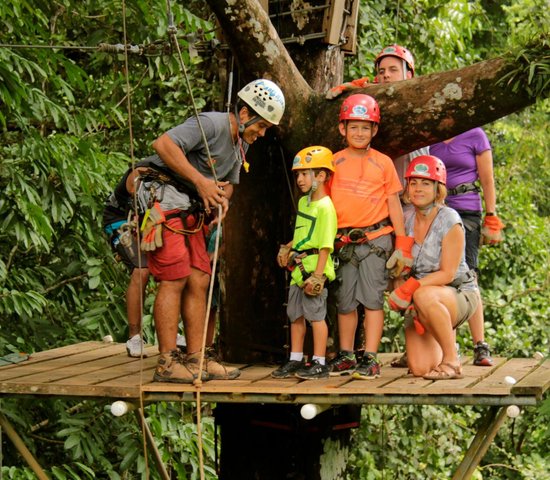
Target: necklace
238, 149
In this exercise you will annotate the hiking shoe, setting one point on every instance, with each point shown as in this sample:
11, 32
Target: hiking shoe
368, 368
288, 369
343, 364
312, 371
173, 367
212, 368
482, 355
135, 346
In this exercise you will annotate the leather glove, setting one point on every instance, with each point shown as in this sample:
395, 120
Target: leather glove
314, 285
282, 256
491, 231
401, 260
401, 297
412, 317
151, 228
335, 92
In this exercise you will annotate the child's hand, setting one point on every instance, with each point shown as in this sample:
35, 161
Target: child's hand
282, 256
314, 285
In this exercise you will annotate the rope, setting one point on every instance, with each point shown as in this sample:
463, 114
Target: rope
198, 382
144, 426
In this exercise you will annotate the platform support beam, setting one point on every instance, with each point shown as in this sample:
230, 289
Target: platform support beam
22, 448
488, 428
152, 445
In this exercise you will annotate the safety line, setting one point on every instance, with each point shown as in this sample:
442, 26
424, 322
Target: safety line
138, 235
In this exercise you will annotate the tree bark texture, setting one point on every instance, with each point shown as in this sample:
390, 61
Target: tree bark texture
415, 112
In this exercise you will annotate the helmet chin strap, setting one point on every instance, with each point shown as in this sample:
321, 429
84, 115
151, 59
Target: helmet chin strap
425, 211
314, 187
243, 126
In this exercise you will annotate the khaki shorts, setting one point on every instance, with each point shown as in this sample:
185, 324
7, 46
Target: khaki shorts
466, 302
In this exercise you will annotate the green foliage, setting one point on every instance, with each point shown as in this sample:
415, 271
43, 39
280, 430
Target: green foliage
65, 140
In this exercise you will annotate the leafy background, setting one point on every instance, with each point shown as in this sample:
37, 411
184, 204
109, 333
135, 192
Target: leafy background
65, 140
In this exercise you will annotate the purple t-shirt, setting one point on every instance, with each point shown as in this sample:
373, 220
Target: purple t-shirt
459, 156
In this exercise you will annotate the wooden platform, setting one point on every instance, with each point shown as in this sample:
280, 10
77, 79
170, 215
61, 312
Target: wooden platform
103, 370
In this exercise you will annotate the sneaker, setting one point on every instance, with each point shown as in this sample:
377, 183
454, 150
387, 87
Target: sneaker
173, 367
343, 364
482, 355
135, 346
213, 369
368, 368
312, 371
288, 369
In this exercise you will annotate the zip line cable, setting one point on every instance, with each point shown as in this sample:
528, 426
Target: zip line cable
144, 426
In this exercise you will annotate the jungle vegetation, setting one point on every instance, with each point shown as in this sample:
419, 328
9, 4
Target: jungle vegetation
65, 140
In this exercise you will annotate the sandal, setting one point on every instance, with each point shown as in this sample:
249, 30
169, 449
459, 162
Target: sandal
439, 374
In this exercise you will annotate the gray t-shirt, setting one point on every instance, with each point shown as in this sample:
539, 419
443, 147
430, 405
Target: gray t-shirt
427, 256
227, 156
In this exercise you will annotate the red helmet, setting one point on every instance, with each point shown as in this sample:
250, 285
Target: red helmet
399, 52
427, 166
360, 107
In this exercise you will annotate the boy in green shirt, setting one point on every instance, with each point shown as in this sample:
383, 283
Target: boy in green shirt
308, 257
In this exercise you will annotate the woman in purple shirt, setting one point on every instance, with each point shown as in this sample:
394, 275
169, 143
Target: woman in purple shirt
469, 162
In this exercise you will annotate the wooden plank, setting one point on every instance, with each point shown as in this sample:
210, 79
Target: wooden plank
534, 383
495, 384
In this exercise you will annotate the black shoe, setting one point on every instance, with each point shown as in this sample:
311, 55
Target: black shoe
288, 369
482, 355
343, 364
367, 368
312, 371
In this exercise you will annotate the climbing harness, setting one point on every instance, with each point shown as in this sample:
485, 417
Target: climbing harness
348, 238
296, 257
463, 188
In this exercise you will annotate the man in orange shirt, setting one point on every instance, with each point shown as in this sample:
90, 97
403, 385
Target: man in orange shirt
365, 192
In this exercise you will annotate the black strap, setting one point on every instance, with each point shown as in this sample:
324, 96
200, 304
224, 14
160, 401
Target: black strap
463, 188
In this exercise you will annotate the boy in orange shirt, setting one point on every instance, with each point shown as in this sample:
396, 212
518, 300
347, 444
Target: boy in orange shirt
365, 192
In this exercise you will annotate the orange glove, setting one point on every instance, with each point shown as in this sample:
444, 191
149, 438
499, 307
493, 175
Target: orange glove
410, 313
151, 228
346, 87
491, 231
401, 260
401, 297
314, 285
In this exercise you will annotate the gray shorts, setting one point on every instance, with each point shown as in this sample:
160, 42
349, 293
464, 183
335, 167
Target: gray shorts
365, 278
313, 309
467, 302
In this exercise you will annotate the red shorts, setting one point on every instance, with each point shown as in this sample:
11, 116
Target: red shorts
179, 253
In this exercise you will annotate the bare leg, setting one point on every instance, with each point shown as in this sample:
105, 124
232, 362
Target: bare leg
320, 336
297, 335
347, 326
374, 325
476, 324
167, 312
437, 310
193, 309
134, 299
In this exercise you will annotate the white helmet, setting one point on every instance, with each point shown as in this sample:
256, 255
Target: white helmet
265, 98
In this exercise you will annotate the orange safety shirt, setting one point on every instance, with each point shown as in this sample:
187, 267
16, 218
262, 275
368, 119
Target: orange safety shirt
360, 188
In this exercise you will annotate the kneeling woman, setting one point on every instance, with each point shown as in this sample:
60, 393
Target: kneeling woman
441, 292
